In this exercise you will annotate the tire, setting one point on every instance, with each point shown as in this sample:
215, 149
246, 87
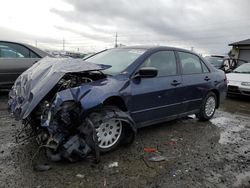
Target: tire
208, 107
109, 128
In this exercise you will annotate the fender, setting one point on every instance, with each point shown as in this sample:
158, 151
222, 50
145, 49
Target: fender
94, 94
90, 97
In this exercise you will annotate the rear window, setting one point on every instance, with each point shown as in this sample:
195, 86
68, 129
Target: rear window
190, 63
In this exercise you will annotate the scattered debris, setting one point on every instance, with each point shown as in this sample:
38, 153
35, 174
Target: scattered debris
191, 116
105, 182
42, 167
157, 158
176, 172
173, 141
80, 176
114, 164
150, 150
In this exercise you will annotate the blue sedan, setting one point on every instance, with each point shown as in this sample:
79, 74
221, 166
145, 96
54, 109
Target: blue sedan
115, 91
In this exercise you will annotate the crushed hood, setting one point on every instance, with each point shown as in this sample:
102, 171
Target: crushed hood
35, 83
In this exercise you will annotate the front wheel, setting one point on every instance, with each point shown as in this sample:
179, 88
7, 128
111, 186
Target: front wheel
109, 128
208, 107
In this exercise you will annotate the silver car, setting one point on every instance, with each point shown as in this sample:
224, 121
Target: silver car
15, 58
239, 80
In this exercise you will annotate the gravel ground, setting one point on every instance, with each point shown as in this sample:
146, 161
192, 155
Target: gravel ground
197, 154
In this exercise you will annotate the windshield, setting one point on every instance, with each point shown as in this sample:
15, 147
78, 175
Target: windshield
244, 68
119, 59
216, 61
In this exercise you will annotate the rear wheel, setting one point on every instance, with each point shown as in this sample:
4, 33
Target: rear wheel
208, 107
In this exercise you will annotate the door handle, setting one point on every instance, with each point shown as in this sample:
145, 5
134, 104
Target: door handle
175, 83
35, 62
207, 78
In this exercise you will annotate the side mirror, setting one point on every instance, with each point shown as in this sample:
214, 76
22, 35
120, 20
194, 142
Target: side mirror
147, 72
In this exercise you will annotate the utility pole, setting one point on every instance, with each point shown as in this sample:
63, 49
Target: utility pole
192, 48
116, 45
36, 43
63, 44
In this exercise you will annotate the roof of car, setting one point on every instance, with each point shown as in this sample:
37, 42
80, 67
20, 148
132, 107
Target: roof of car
155, 47
39, 52
218, 56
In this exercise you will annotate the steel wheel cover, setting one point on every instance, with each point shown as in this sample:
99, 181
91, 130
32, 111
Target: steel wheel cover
210, 106
108, 133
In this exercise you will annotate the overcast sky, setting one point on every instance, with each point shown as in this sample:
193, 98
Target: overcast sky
90, 25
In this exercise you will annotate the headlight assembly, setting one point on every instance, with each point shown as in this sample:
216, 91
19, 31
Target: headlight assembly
245, 83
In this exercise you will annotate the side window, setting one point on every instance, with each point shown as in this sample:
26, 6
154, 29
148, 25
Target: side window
33, 55
10, 50
190, 63
164, 61
204, 67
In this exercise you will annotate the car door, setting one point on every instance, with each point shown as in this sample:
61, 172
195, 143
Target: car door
196, 81
154, 99
14, 59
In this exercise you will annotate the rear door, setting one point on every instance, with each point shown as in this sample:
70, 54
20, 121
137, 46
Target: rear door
14, 59
157, 98
196, 81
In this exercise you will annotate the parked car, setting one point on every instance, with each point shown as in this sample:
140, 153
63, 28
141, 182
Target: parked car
15, 58
225, 63
239, 80
72, 104
216, 60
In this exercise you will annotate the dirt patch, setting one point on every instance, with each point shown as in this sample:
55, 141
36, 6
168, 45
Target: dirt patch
196, 154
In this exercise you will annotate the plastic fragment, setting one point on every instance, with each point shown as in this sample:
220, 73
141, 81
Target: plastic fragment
80, 175
176, 172
41, 167
172, 142
150, 150
157, 158
105, 182
114, 164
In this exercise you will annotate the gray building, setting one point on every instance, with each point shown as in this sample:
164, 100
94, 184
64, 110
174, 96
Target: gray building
241, 50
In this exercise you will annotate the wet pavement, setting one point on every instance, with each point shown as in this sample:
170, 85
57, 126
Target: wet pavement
194, 154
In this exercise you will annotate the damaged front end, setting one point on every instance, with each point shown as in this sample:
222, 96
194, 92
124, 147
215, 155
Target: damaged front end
66, 134
53, 97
